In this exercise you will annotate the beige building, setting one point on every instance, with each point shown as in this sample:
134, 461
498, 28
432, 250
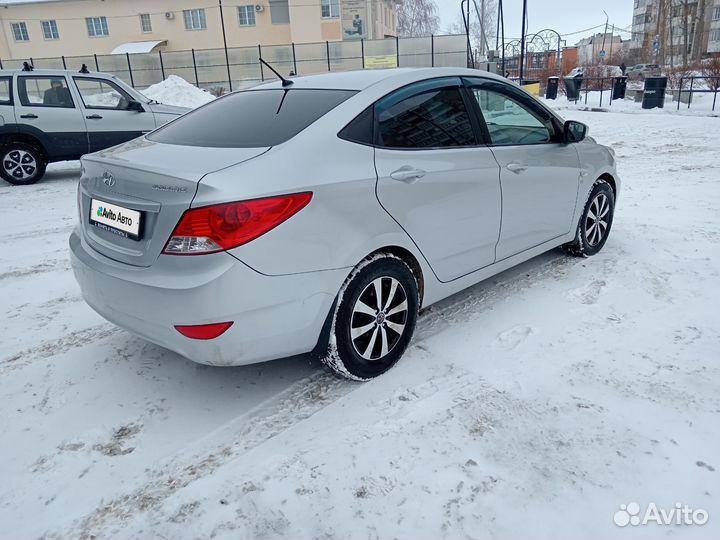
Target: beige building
50, 28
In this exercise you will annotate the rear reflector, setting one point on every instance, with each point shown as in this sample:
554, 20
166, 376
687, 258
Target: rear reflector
204, 331
226, 226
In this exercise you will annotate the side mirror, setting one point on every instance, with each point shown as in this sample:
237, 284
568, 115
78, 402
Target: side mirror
574, 131
135, 106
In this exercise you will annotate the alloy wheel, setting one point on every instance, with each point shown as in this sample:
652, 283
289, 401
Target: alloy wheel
378, 318
596, 221
20, 164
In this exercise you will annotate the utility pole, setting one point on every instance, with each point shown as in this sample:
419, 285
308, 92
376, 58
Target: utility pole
607, 19
227, 58
522, 41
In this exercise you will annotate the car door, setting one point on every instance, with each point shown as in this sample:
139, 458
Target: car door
109, 120
7, 109
539, 174
435, 178
45, 108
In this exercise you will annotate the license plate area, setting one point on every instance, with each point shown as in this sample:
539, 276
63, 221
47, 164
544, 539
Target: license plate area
116, 219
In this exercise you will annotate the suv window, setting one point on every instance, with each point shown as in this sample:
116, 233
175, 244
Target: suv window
509, 122
101, 94
44, 91
433, 118
5, 91
251, 119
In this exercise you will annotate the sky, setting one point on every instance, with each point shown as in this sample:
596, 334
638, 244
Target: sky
564, 16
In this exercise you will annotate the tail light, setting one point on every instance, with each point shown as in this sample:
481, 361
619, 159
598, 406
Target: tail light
225, 226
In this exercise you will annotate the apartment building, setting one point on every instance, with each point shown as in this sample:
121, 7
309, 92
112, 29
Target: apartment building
42, 28
589, 49
675, 31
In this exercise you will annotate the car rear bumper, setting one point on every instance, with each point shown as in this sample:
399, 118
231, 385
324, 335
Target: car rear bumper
273, 316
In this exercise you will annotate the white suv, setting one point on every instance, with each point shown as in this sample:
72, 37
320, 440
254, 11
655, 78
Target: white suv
57, 115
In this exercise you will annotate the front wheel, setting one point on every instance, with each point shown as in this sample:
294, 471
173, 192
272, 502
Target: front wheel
22, 164
374, 319
595, 222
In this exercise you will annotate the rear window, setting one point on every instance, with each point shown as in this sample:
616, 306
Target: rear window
251, 119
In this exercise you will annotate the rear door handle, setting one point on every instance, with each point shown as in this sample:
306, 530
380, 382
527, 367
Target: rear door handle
94, 117
407, 174
516, 167
31, 115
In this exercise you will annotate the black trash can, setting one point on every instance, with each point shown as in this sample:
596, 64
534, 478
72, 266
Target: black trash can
619, 88
552, 87
572, 87
654, 93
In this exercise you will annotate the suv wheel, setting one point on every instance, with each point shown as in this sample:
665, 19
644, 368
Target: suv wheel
375, 318
22, 164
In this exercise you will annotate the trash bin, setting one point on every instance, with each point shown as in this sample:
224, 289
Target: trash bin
654, 93
552, 88
572, 87
619, 88
532, 86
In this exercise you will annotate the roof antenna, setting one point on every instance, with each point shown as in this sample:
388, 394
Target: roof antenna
285, 82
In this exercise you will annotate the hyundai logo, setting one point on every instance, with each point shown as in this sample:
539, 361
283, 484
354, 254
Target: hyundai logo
108, 179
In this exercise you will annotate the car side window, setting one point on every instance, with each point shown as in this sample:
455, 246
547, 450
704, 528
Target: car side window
432, 118
44, 91
101, 94
509, 122
5, 90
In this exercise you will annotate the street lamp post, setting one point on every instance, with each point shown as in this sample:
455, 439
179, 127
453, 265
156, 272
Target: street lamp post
227, 58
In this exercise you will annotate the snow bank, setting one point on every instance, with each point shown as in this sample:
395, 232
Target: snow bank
177, 91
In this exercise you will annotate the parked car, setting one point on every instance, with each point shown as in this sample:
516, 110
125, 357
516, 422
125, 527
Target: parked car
640, 71
321, 214
596, 71
56, 115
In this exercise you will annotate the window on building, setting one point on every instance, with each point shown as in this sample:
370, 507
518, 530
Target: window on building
50, 29
145, 23
195, 19
246, 15
330, 9
716, 13
715, 35
20, 31
97, 26
279, 12
639, 19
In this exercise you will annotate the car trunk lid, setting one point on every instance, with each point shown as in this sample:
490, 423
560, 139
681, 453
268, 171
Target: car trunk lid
157, 180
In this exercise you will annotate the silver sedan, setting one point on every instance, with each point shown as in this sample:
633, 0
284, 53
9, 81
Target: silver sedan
318, 215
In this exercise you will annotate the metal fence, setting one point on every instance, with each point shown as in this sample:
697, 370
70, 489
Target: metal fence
713, 86
241, 66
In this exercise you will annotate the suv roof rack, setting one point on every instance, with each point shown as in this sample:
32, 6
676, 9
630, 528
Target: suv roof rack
27, 66
84, 69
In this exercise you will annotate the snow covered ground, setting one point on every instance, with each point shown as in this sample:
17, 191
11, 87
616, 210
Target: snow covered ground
532, 405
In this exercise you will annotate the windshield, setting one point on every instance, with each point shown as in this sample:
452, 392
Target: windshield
251, 119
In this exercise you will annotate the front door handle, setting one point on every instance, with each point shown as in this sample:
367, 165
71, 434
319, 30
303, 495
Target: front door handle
407, 174
516, 167
31, 115
94, 117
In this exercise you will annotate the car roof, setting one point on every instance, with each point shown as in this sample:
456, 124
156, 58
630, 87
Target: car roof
365, 78
36, 71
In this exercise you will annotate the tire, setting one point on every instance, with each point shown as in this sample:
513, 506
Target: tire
595, 222
368, 337
22, 164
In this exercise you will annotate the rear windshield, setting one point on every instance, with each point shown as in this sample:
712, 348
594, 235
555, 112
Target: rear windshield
251, 119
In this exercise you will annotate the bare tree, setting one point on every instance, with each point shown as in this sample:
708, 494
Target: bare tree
417, 18
482, 37
711, 72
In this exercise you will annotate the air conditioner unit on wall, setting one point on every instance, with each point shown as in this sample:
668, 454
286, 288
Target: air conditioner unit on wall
259, 8
169, 15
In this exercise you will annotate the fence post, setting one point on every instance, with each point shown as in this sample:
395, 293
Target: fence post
132, 81
714, 94
32, 62
262, 76
602, 85
97, 65
327, 52
63, 61
1, 66
397, 51
197, 81
692, 80
294, 59
680, 93
162, 66
432, 50
362, 52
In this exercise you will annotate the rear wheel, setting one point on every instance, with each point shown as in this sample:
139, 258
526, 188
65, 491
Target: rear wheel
595, 222
374, 320
22, 164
